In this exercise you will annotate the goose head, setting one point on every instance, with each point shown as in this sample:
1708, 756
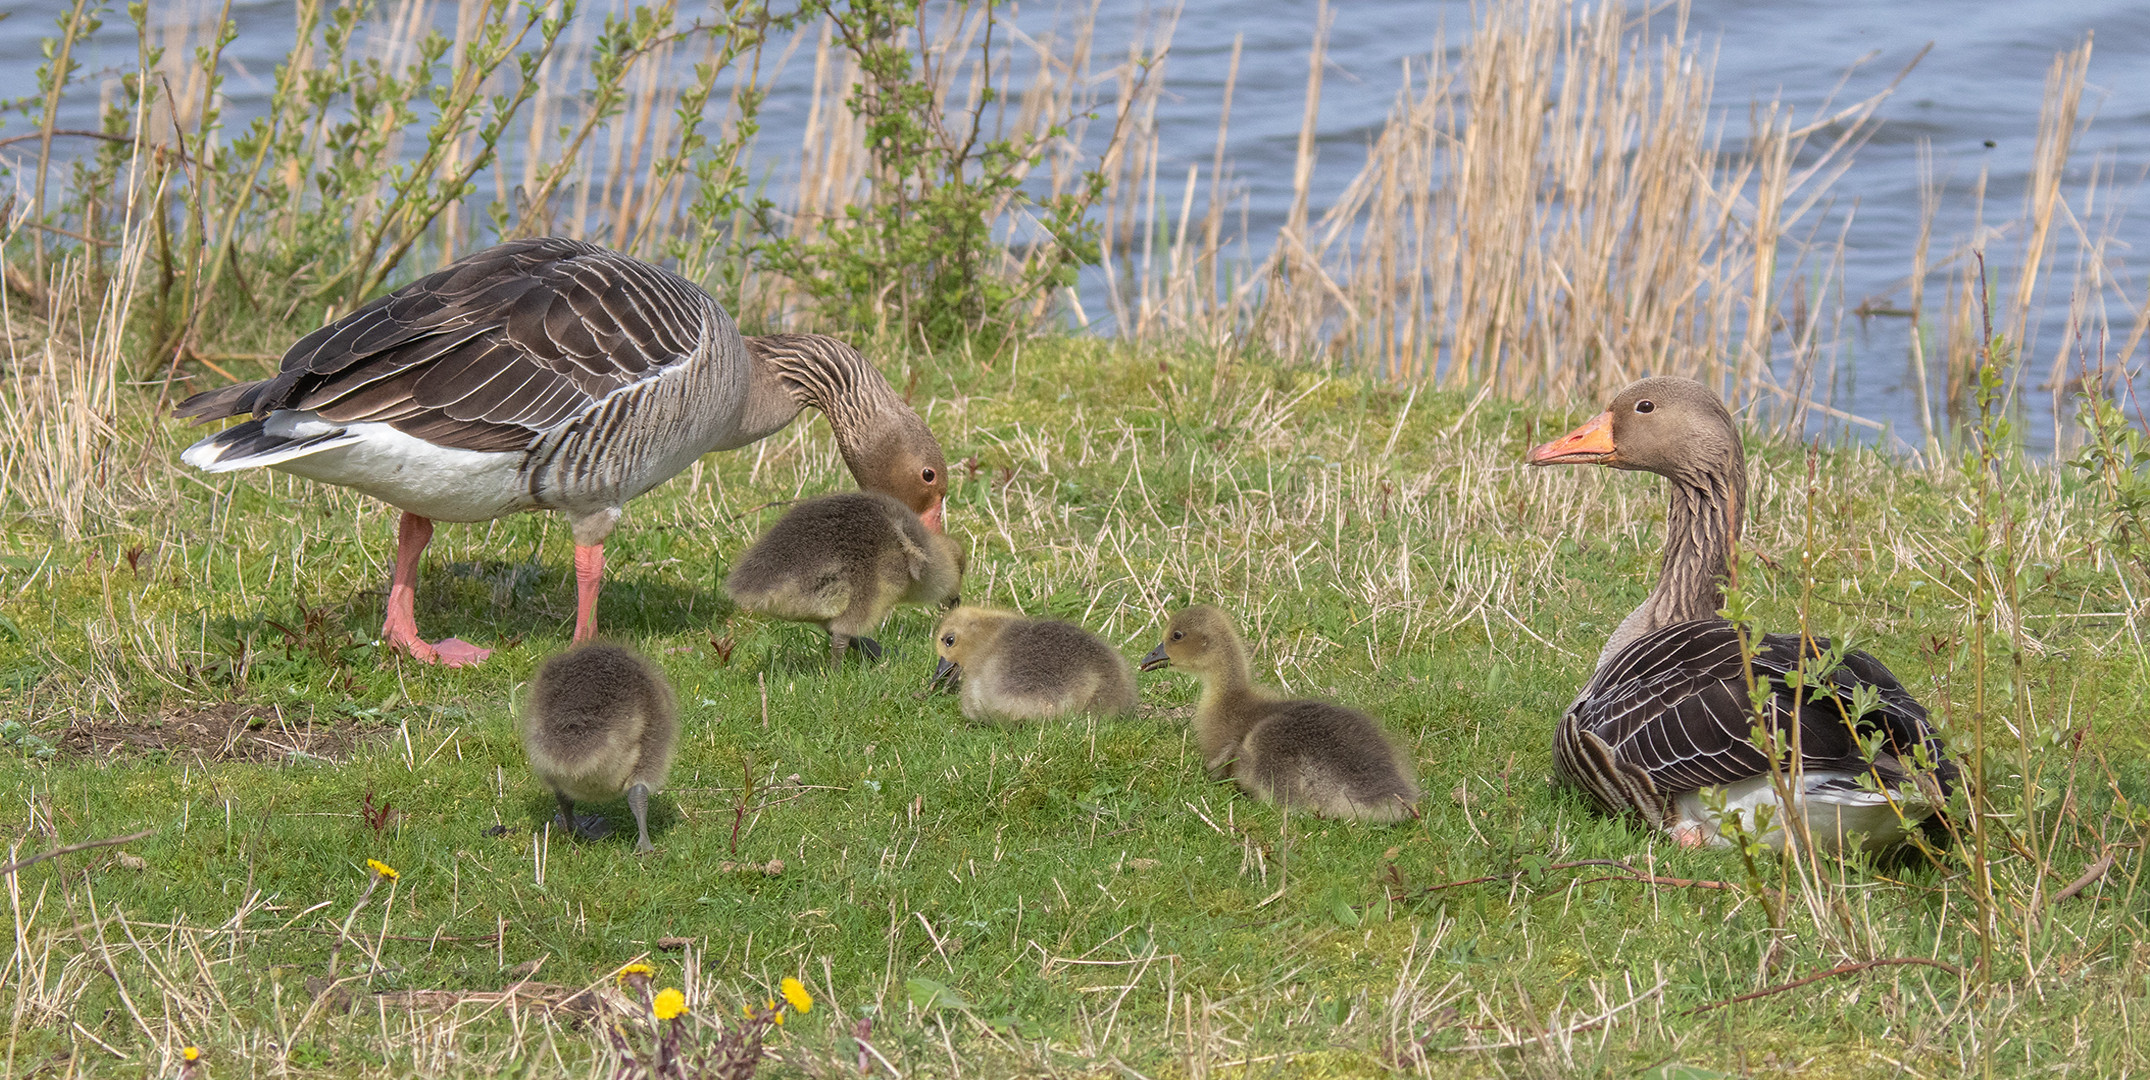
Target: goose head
965, 633
1199, 640
1670, 426
902, 459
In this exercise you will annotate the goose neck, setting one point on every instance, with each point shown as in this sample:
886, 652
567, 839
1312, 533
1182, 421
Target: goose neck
826, 374
1227, 688
1702, 527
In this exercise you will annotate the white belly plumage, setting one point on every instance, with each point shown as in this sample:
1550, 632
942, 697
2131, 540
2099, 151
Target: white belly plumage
1837, 814
406, 472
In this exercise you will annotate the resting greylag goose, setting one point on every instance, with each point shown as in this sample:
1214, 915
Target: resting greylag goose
1015, 668
844, 562
601, 722
548, 374
1307, 755
1663, 728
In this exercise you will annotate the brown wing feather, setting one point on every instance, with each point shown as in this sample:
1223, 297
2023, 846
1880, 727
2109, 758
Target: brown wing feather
491, 352
1673, 708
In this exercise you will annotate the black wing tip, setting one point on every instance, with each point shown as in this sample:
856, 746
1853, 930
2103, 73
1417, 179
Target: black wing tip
221, 403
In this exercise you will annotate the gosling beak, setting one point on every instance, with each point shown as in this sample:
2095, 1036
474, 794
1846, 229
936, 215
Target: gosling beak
1591, 444
945, 674
932, 517
1156, 659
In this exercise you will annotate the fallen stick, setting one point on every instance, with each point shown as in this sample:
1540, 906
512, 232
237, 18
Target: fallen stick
72, 848
2091, 874
1840, 969
1652, 879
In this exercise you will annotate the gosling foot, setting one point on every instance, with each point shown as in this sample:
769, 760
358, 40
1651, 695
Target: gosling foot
586, 826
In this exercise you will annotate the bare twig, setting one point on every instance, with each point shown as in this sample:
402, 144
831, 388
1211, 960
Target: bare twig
72, 848
2090, 876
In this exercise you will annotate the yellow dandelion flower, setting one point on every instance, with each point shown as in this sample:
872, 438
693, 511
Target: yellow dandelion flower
769, 1005
620, 977
382, 869
669, 1003
191, 1053
794, 992
779, 1018
747, 1009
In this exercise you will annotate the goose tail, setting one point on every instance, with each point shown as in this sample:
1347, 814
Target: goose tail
250, 446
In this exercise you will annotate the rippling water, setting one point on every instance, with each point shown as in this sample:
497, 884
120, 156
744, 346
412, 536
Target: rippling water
1975, 98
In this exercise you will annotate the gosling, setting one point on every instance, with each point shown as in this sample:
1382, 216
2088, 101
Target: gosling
844, 562
1306, 755
601, 721
1018, 669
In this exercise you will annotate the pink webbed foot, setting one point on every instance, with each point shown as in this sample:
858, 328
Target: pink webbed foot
401, 628
455, 652
1689, 834
452, 652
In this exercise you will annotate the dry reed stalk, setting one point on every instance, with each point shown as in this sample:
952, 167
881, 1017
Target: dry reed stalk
2057, 129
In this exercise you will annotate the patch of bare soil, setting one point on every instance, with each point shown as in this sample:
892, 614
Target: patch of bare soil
232, 731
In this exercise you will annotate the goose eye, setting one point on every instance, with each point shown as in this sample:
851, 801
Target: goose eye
927, 476
1178, 634
1645, 405
949, 640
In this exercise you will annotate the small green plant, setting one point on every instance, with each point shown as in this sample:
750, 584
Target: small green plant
17, 736
675, 1043
927, 253
2117, 458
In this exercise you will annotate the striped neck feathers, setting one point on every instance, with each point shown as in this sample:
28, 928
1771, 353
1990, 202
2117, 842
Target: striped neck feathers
824, 373
1702, 527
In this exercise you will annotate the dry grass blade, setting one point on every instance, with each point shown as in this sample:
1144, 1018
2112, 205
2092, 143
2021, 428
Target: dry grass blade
1840, 969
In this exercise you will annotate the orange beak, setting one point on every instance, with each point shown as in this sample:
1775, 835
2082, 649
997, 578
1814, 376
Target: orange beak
1591, 444
932, 517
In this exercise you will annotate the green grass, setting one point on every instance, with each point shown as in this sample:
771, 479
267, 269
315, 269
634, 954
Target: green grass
1097, 905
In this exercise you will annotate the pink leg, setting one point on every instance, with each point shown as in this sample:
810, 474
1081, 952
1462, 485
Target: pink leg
589, 575
401, 629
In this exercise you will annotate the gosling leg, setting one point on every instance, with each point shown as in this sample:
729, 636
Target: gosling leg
638, 801
838, 645
587, 826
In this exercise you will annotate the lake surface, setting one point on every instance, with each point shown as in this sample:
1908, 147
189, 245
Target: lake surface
1975, 99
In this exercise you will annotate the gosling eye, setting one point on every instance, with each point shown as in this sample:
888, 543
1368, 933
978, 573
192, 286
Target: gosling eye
1645, 405
948, 640
927, 475
1178, 634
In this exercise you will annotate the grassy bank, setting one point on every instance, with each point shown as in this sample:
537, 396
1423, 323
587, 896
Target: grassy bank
202, 660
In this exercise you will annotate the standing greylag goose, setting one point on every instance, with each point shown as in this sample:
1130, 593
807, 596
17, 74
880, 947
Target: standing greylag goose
1301, 754
1663, 728
1014, 668
548, 374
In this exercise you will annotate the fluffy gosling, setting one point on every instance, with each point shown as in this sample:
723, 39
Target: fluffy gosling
1306, 755
844, 562
1020, 669
601, 721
